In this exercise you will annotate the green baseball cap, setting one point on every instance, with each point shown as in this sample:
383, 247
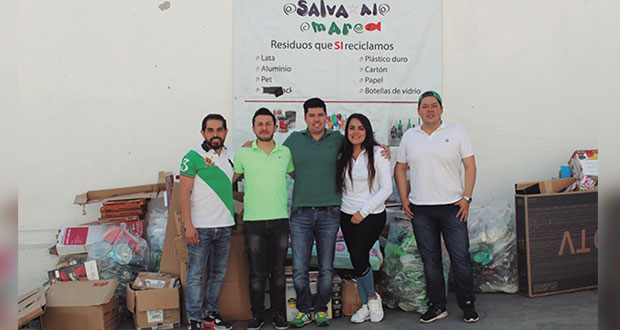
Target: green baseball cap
430, 93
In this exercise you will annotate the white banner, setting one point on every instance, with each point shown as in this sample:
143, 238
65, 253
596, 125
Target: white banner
369, 57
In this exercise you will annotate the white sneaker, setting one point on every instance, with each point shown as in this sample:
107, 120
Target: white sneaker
376, 309
361, 315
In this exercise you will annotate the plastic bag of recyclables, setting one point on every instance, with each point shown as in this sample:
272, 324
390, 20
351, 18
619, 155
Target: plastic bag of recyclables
402, 281
120, 255
492, 246
156, 233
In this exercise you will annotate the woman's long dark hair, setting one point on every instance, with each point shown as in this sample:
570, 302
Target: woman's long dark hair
343, 164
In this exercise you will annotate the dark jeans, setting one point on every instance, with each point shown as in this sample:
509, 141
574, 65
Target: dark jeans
211, 252
308, 224
360, 238
266, 242
429, 222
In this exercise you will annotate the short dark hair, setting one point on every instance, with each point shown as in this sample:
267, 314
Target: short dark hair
263, 112
314, 102
213, 116
432, 94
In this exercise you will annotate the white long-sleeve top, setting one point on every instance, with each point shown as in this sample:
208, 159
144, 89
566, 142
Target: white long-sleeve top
356, 195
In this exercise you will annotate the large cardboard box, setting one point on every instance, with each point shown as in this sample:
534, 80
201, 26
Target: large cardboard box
557, 238
154, 307
30, 306
81, 305
234, 297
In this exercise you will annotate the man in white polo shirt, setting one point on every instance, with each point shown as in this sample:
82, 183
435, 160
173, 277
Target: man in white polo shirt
207, 210
438, 202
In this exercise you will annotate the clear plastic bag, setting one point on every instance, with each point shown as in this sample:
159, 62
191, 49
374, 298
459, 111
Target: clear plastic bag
402, 282
493, 247
121, 255
156, 229
156, 233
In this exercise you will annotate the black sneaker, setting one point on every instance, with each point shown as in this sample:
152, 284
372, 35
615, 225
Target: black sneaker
255, 323
470, 315
433, 314
194, 325
279, 322
217, 322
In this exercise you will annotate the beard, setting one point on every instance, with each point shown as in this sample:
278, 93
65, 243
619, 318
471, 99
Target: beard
215, 143
265, 139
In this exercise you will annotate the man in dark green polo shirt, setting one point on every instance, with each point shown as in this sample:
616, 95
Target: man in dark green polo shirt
264, 166
315, 211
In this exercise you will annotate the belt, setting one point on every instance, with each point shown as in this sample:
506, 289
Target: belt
318, 208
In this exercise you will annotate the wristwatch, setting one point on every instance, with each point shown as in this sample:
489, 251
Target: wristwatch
467, 198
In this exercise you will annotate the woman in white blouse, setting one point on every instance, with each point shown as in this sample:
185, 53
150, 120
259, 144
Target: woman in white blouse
364, 178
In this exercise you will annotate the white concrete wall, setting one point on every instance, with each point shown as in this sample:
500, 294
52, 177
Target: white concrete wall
110, 92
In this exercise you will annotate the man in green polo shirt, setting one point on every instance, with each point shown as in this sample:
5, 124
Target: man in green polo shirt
315, 211
264, 166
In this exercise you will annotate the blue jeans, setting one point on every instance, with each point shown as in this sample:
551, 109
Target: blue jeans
307, 225
429, 222
211, 252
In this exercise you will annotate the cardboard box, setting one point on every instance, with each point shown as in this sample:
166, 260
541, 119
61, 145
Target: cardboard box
88, 270
351, 300
30, 306
154, 307
234, 297
543, 187
148, 280
145, 191
78, 239
183, 278
81, 305
337, 296
557, 238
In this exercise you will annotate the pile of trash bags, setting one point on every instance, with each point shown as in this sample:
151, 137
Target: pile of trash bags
402, 279
492, 246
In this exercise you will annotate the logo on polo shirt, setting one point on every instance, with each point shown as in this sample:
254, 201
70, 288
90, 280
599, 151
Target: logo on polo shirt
208, 162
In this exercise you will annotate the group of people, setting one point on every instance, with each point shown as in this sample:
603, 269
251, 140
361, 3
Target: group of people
340, 182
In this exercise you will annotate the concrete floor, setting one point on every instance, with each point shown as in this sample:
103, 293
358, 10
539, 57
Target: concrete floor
569, 311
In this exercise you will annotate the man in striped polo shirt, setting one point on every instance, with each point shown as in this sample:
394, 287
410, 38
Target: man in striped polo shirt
207, 211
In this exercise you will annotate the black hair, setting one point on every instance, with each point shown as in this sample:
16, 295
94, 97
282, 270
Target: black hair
263, 112
343, 164
213, 116
314, 102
